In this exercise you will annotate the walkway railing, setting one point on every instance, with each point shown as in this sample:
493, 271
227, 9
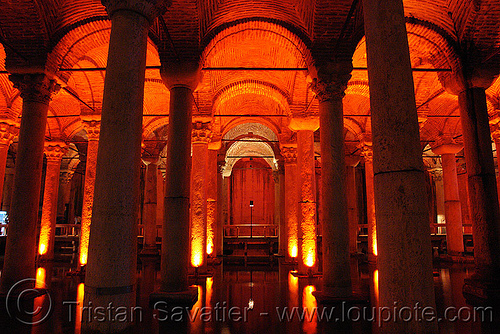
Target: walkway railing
251, 231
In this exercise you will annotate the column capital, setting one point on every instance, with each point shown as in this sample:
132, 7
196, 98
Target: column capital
446, 145
185, 74
289, 153
150, 9
366, 146
92, 125
54, 150
310, 123
201, 133
150, 159
36, 87
329, 81
8, 130
66, 176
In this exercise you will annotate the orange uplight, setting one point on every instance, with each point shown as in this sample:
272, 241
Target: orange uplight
83, 257
375, 248
211, 212
40, 278
198, 247
210, 246
292, 248
197, 258
79, 308
42, 247
293, 288
210, 283
308, 228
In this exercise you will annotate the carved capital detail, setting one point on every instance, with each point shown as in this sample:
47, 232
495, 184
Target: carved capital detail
147, 8
201, 133
35, 87
66, 176
331, 81
289, 154
92, 127
54, 150
8, 130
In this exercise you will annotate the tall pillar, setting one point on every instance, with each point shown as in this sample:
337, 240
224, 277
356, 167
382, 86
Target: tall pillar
370, 199
54, 152
201, 137
329, 86
291, 201
8, 130
36, 91
352, 203
181, 79
112, 255
452, 206
64, 194
221, 205
92, 126
404, 245
483, 196
305, 128
160, 205
149, 208
495, 134
212, 228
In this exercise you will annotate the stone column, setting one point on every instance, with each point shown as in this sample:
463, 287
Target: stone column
352, 203
329, 86
305, 128
112, 259
36, 91
483, 196
149, 208
201, 136
160, 205
495, 134
181, 79
404, 246
212, 228
92, 126
54, 152
64, 193
289, 153
452, 206
221, 205
370, 200
8, 130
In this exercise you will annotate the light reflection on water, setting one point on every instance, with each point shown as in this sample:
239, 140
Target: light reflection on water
224, 300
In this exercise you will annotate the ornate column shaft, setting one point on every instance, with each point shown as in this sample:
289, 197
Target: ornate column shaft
329, 86
54, 152
92, 127
149, 208
201, 136
370, 200
36, 91
111, 270
289, 153
8, 130
404, 246
212, 228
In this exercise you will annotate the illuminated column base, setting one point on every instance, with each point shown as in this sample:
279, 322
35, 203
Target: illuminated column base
54, 152
370, 199
20, 250
92, 127
307, 255
291, 202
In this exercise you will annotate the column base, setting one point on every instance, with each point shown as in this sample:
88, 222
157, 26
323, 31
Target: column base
308, 274
200, 272
371, 258
480, 292
149, 252
289, 261
331, 298
174, 299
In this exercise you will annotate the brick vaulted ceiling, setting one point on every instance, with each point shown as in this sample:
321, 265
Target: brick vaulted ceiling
63, 34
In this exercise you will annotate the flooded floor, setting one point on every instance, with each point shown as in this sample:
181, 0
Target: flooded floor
245, 300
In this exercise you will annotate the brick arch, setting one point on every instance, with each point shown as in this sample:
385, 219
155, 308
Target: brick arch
249, 86
241, 120
263, 31
78, 42
358, 87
